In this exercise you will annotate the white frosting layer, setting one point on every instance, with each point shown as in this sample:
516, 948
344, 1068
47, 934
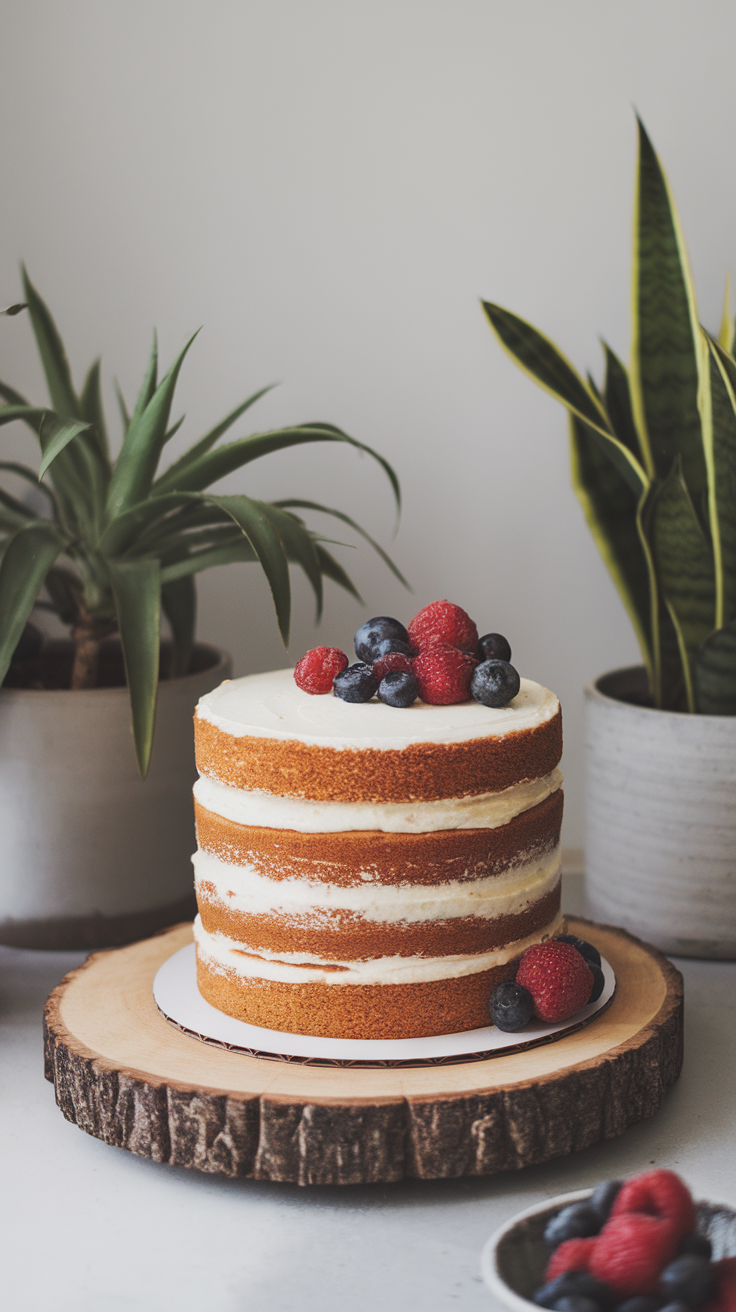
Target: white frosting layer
486, 811
241, 888
228, 957
271, 706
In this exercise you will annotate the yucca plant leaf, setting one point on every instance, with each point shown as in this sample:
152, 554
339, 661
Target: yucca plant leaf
92, 410
332, 569
136, 586
239, 552
149, 384
53, 356
136, 464
32, 414
30, 476
258, 525
179, 603
122, 407
27, 558
15, 309
171, 432
610, 508
619, 408
714, 672
300, 548
127, 528
298, 504
12, 397
56, 434
669, 361
684, 563
205, 443
719, 443
725, 332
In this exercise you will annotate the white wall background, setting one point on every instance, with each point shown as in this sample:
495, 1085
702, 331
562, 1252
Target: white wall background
328, 187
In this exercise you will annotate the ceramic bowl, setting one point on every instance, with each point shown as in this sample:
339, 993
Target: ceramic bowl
514, 1258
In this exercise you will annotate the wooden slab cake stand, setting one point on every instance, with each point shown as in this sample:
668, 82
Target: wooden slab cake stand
124, 1074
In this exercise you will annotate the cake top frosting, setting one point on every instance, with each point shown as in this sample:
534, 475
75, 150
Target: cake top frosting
272, 706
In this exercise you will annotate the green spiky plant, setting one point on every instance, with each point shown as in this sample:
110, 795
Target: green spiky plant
121, 541
654, 460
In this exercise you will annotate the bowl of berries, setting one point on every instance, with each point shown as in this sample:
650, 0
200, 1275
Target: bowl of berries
640, 1245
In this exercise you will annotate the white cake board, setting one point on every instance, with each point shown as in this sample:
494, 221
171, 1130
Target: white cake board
178, 998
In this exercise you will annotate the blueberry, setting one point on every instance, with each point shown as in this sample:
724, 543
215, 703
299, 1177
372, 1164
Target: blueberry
576, 1303
598, 981
511, 1006
493, 647
388, 645
604, 1196
696, 1243
578, 1283
641, 1303
578, 1221
398, 688
584, 948
674, 1307
357, 683
494, 683
370, 634
689, 1279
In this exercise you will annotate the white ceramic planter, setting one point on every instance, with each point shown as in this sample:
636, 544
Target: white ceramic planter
660, 851
91, 856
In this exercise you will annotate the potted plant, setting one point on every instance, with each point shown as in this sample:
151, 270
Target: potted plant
91, 854
654, 468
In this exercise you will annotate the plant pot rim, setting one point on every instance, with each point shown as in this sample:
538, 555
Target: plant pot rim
221, 661
637, 674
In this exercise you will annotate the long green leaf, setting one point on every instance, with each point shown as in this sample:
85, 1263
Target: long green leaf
300, 548
714, 672
139, 455
30, 476
122, 407
257, 524
125, 530
725, 332
298, 504
332, 569
684, 561
148, 385
91, 406
238, 552
618, 403
32, 414
53, 356
179, 602
27, 558
719, 440
205, 443
56, 435
136, 586
669, 361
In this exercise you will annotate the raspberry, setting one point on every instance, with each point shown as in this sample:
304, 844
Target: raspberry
661, 1194
444, 674
396, 660
631, 1252
724, 1299
572, 1255
315, 671
558, 979
442, 621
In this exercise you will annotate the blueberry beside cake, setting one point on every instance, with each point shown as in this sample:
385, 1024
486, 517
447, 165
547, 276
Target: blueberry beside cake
372, 863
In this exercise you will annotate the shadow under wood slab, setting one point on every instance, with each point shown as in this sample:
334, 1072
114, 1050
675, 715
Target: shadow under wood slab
125, 1075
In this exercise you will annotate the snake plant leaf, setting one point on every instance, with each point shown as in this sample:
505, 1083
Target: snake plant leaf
53, 356
90, 402
237, 552
136, 464
122, 407
332, 569
179, 604
725, 332
298, 504
619, 408
610, 508
684, 562
719, 442
56, 434
27, 558
714, 672
136, 586
258, 525
669, 361
205, 443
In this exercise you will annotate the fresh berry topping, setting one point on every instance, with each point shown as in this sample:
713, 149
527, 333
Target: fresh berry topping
640, 1303
689, 1279
444, 674
511, 1006
672, 1307
355, 684
696, 1243
493, 647
578, 1221
576, 1303
389, 646
315, 671
604, 1196
573, 1255
398, 688
630, 1252
388, 664
495, 683
374, 631
574, 1284
598, 981
585, 948
661, 1194
725, 1277
557, 978
442, 621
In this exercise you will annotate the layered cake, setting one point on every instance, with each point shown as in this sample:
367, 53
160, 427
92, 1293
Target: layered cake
368, 871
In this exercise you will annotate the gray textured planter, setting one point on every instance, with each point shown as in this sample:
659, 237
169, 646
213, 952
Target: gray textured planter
660, 851
90, 856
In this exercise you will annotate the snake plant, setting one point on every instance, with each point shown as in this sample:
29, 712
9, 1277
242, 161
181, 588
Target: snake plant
654, 460
120, 541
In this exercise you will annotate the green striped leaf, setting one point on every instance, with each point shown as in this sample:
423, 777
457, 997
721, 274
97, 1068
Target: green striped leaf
725, 332
719, 442
136, 586
619, 407
27, 558
205, 443
670, 367
53, 356
179, 603
714, 672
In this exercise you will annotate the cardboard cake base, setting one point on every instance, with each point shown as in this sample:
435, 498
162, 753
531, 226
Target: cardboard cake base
124, 1074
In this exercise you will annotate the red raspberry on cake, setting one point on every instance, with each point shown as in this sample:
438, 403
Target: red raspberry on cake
558, 978
571, 1255
315, 671
724, 1299
661, 1194
396, 661
444, 673
442, 621
631, 1252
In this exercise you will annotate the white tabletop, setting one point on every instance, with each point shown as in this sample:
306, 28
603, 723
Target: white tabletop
91, 1228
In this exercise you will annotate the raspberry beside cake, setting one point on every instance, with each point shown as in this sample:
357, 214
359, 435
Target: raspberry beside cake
365, 871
